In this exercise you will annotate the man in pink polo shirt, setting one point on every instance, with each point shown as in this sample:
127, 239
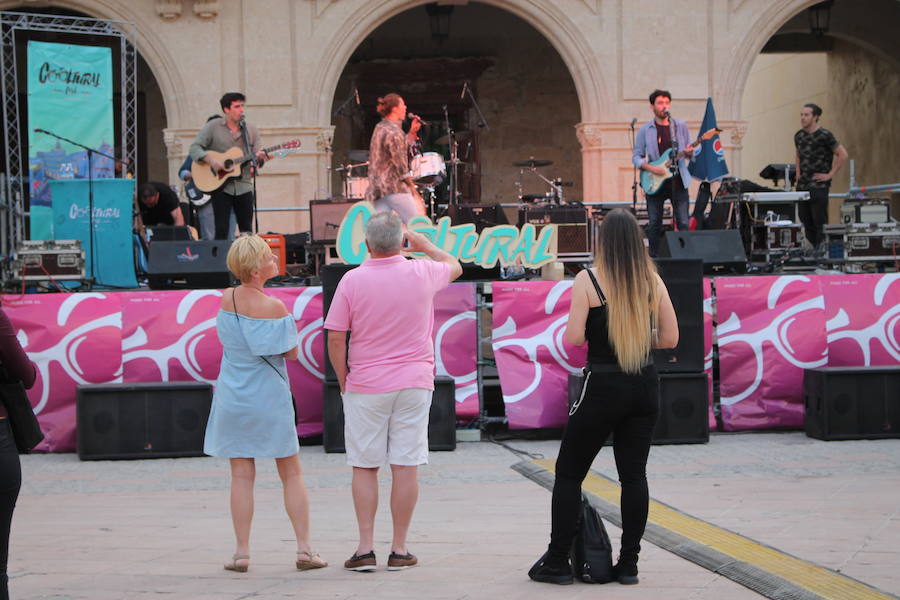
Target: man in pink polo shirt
388, 304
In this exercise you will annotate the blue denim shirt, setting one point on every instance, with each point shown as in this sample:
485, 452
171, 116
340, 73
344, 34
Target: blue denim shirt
646, 146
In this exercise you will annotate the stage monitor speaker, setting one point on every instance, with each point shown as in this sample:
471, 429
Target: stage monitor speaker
441, 418
168, 233
481, 215
684, 280
188, 265
325, 218
683, 407
852, 403
572, 235
331, 275
141, 420
721, 250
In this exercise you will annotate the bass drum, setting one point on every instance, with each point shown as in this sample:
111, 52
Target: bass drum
426, 168
355, 188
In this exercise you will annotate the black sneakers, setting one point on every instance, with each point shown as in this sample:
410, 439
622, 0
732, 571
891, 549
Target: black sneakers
626, 573
550, 570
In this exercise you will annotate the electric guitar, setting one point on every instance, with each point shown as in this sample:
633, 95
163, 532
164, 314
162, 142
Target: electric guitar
651, 182
208, 180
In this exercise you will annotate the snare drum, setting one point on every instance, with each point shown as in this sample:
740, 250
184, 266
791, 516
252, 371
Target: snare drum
355, 188
426, 168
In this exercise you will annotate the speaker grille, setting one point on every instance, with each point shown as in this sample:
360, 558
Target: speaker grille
142, 420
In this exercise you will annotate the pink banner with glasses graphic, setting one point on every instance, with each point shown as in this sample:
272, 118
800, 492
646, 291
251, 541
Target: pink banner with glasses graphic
768, 329
129, 337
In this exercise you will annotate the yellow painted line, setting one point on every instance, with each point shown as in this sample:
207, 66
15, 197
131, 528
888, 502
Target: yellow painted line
816, 579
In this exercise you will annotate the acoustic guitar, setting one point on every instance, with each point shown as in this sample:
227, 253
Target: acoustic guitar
206, 179
651, 182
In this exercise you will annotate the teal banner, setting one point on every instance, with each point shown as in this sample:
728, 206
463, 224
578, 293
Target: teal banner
112, 262
70, 94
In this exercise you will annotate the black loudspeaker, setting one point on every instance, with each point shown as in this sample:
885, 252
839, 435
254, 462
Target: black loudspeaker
481, 215
141, 420
852, 403
168, 233
441, 418
325, 218
721, 250
331, 275
683, 407
684, 280
188, 265
571, 222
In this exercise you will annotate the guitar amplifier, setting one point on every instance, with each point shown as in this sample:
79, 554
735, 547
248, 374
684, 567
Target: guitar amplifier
325, 218
572, 235
41, 260
481, 215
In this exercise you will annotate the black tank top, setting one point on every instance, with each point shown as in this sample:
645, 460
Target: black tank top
597, 330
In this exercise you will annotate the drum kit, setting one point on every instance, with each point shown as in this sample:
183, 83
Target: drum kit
556, 185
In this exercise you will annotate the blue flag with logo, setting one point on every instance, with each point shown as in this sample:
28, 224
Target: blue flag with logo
708, 162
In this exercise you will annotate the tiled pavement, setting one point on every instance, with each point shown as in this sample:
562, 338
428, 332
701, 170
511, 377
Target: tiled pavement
160, 528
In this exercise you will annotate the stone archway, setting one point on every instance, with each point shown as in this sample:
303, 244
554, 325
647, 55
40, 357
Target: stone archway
554, 24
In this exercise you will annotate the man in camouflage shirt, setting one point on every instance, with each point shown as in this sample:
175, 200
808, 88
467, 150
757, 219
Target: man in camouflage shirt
816, 166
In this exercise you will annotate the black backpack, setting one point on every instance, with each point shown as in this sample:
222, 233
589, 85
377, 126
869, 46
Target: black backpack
592, 550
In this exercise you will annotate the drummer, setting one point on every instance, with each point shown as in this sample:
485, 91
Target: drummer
391, 185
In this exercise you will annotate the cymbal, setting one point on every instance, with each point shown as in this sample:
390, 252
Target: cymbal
461, 135
358, 156
533, 162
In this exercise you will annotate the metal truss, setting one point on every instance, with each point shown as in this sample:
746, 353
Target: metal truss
12, 198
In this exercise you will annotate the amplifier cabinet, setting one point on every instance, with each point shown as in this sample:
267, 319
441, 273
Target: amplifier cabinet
872, 242
325, 218
572, 235
40, 260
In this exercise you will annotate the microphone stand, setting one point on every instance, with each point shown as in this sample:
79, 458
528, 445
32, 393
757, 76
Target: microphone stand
254, 167
482, 123
673, 167
634, 173
90, 179
339, 111
451, 187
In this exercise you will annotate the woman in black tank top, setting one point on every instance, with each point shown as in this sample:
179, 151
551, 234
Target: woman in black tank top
622, 309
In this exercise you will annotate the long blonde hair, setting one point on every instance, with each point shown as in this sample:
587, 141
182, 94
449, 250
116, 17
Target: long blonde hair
631, 289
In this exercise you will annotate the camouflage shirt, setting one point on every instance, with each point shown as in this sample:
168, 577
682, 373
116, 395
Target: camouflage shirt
816, 151
388, 161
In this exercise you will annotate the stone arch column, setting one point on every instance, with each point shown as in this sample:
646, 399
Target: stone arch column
554, 23
763, 24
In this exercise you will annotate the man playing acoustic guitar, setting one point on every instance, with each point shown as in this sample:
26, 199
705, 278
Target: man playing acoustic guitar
220, 135
651, 141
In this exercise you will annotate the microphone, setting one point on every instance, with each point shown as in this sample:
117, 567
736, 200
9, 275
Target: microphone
356, 93
417, 118
39, 130
462, 94
666, 113
633, 121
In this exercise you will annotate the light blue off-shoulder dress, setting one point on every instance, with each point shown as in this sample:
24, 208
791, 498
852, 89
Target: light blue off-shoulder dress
251, 414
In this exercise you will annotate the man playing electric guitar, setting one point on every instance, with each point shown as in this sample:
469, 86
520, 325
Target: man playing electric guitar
651, 141
220, 135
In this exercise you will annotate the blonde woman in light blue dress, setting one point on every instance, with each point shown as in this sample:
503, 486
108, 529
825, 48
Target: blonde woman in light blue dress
252, 413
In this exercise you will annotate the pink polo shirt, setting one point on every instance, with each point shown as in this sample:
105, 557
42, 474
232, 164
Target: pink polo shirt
388, 305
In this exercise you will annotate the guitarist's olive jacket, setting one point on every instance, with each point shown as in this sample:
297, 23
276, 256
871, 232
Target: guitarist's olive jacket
216, 136
647, 146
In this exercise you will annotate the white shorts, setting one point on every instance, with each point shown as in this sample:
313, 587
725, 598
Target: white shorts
390, 427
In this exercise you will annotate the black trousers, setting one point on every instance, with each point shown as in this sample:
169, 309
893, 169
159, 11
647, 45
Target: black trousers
223, 203
814, 215
627, 406
680, 198
10, 482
